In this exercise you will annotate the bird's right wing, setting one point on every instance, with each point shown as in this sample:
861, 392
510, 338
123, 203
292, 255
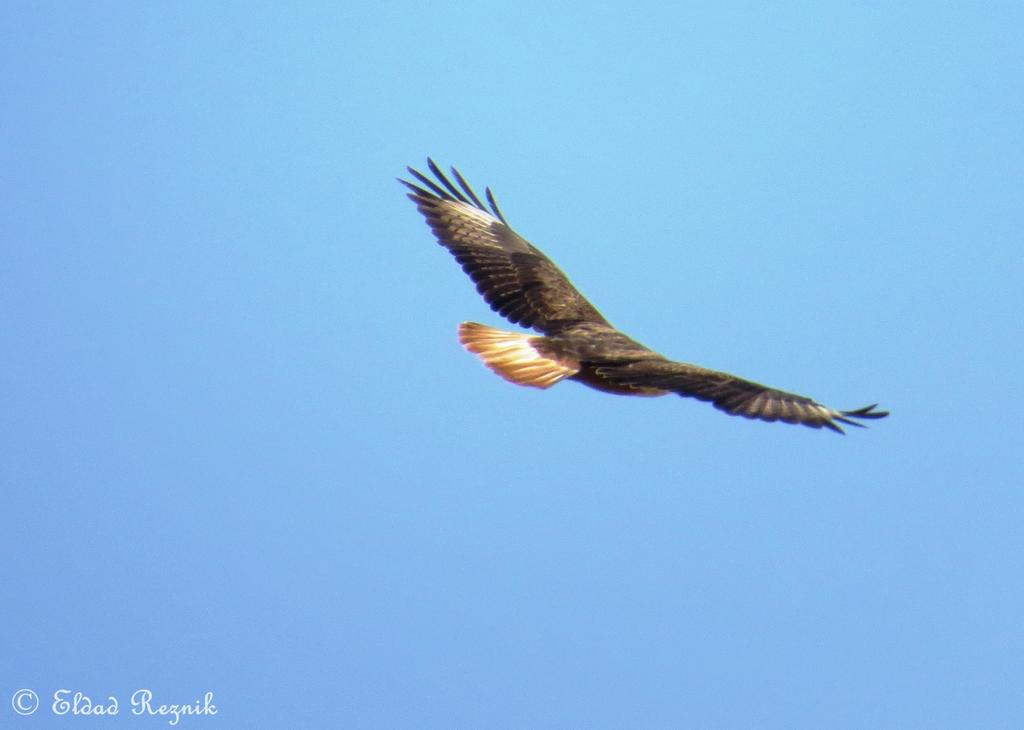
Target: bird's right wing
733, 395
514, 277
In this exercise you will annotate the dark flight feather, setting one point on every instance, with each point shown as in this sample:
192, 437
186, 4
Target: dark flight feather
516, 279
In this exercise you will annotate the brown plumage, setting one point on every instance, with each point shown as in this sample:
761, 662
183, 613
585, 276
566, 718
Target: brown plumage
576, 342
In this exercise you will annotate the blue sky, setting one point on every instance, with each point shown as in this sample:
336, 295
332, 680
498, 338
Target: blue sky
243, 452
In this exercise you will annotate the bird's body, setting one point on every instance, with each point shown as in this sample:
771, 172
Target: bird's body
576, 342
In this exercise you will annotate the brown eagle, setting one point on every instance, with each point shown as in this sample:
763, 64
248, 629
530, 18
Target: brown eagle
577, 342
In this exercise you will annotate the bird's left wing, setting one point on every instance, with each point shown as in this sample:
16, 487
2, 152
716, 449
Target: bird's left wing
733, 395
514, 276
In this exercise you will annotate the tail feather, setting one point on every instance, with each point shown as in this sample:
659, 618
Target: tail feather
515, 356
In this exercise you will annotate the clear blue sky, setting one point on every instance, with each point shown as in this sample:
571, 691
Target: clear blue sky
242, 451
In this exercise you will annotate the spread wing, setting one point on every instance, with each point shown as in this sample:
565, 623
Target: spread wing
735, 396
514, 277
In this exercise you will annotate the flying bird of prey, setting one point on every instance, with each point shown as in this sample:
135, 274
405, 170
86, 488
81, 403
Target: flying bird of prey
576, 342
